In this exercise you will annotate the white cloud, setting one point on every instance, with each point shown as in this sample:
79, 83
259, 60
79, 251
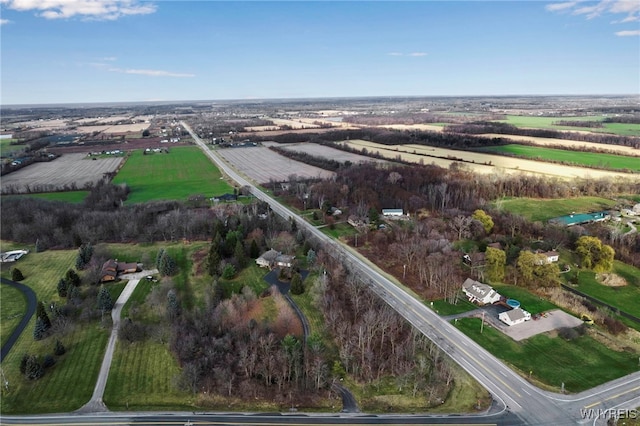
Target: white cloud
628, 33
395, 54
418, 54
630, 8
4, 21
86, 9
152, 73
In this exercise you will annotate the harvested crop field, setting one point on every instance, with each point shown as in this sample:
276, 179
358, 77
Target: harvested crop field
295, 124
117, 128
591, 146
263, 165
63, 171
265, 133
426, 127
325, 152
481, 163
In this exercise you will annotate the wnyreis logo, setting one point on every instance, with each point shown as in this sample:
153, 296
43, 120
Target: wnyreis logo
609, 413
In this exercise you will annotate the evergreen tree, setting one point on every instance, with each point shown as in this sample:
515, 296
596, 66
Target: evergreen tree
165, 263
105, 303
254, 250
213, 261
311, 257
85, 252
39, 329
73, 293
228, 272
159, 257
296, 284
72, 278
33, 369
239, 254
41, 313
59, 348
16, 275
173, 307
48, 361
23, 363
62, 287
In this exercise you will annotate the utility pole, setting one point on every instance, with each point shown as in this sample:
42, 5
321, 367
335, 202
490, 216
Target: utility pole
482, 323
404, 271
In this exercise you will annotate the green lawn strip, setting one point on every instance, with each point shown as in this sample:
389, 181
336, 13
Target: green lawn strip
536, 209
528, 301
137, 300
14, 306
580, 364
252, 276
65, 386
338, 230
623, 129
185, 171
115, 289
142, 377
307, 306
624, 298
74, 197
444, 308
607, 161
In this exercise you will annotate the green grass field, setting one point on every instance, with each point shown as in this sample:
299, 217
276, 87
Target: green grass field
547, 123
74, 197
14, 306
529, 302
580, 364
544, 209
591, 159
6, 147
185, 171
444, 308
625, 298
85, 345
342, 229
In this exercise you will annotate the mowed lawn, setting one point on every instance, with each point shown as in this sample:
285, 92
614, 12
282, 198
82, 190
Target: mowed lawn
14, 306
625, 298
623, 129
580, 364
536, 209
68, 384
591, 159
183, 172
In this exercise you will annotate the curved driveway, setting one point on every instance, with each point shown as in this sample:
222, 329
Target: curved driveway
517, 395
32, 303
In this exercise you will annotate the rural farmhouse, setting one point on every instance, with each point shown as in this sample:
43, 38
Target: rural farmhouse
273, 258
480, 293
514, 316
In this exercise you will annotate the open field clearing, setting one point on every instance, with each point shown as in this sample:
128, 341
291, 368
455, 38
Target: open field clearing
263, 165
282, 132
295, 124
6, 147
542, 210
622, 129
482, 163
334, 123
327, 152
75, 197
66, 170
580, 363
14, 306
618, 149
261, 128
183, 172
427, 127
117, 128
609, 161
53, 124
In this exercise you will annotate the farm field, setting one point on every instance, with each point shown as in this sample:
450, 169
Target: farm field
266, 133
295, 124
580, 363
542, 210
618, 149
14, 306
6, 147
75, 197
593, 159
114, 128
622, 129
263, 165
325, 152
185, 171
51, 124
481, 163
427, 127
66, 170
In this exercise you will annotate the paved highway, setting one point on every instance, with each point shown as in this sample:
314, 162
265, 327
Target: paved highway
533, 405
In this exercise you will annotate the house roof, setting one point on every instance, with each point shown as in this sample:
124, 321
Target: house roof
392, 211
127, 266
515, 314
285, 258
110, 265
475, 288
269, 256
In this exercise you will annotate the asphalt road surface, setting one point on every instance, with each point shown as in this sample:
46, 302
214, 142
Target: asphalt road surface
532, 405
32, 303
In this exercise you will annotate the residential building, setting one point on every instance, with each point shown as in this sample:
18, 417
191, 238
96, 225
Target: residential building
478, 292
514, 316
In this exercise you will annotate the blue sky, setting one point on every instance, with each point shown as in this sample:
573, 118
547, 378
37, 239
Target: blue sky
59, 51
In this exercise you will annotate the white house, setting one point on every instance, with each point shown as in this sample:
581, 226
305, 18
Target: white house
273, 258
392, 212
550, 256
480, 293
514, 316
